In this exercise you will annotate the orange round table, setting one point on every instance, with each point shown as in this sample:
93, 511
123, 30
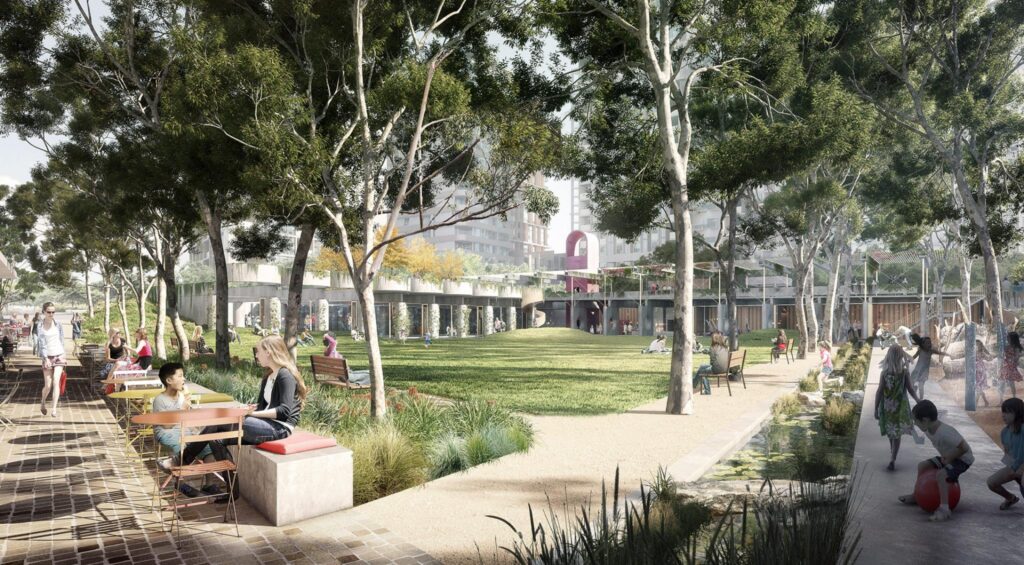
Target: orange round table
173, 417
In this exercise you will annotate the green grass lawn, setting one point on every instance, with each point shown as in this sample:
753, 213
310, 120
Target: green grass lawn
539, 371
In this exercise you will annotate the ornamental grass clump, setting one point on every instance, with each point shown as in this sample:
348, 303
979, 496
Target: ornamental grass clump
810, 382
839, 417
786, 405
385, 462
448, 455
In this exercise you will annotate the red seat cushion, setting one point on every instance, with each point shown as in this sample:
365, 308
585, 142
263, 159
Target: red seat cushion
297, 442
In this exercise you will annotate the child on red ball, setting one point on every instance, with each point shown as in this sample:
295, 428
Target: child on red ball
955, 456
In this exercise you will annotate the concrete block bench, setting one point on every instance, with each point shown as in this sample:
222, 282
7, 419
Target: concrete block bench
300, 477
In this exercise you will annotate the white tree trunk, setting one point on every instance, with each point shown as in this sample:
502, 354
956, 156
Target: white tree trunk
88, 292
378, 404
122, 306
812, 315
106, 306
965, 284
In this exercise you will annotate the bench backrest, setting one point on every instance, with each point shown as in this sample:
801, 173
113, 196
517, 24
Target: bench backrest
737, 358
328, 368
790, 346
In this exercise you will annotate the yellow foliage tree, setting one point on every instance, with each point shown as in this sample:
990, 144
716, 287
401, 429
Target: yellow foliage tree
422, 259
396, 259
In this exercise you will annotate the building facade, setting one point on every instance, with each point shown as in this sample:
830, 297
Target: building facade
521, 238
616, 251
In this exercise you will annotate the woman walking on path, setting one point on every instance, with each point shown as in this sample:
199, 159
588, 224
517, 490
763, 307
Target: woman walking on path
924, 364
1011, 359
34, 332
51, 350
892, 409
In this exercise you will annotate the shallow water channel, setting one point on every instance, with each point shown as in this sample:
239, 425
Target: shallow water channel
792, 447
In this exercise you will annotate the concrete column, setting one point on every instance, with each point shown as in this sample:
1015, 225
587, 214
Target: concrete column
869, 322
970, 363
400, 322
231, 314
461, 315
275, 314
488, 321
511, 318
240, 311
211, 312
766, 316
647, 319
323, 315
723, 318
434, 324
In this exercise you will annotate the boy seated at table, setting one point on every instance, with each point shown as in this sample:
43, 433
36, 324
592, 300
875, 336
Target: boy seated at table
176, 397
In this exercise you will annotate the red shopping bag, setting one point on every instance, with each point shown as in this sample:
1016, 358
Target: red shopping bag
63, 381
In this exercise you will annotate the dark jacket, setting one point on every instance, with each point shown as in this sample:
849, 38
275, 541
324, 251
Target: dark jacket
283, 397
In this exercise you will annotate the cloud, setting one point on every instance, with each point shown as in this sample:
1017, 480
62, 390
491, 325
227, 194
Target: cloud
9, 180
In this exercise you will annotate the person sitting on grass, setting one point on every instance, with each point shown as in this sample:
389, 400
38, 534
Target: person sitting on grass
656, 346
176, 397
233, 336
258, 330
306, 338
954, 459
1012, 437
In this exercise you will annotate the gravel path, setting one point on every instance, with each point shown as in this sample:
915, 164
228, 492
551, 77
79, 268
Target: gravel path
447, 518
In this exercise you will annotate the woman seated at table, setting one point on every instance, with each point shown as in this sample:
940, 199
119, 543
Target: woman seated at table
277, 408
176, 397
142, 351
117, 353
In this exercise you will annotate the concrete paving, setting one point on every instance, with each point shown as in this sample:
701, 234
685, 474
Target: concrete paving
448, 518
896, 533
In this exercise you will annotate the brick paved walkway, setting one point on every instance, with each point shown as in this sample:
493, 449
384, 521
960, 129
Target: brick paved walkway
69, 494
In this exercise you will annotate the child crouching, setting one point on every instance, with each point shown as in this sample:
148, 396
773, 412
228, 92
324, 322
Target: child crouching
954, 458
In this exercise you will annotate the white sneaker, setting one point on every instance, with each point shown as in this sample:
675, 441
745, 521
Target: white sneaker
940, 515
167, 463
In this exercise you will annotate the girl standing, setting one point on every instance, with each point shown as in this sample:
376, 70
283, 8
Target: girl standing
1011, 359
892, 409
924, 364
50, 344
1012, 438
825, 352
34, 331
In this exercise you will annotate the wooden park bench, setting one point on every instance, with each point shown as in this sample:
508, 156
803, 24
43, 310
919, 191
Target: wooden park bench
737, 360
332, 371
791, 351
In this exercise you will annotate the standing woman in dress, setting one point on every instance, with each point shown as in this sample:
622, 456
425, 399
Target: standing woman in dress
51, 350
34, 331
892, 409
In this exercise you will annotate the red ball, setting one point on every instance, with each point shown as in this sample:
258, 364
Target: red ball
926, 491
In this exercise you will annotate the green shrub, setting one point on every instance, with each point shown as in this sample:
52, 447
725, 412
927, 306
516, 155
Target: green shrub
448, 455
385, 462
468, 417
839, 417
810, 382
421, 419
787, 405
